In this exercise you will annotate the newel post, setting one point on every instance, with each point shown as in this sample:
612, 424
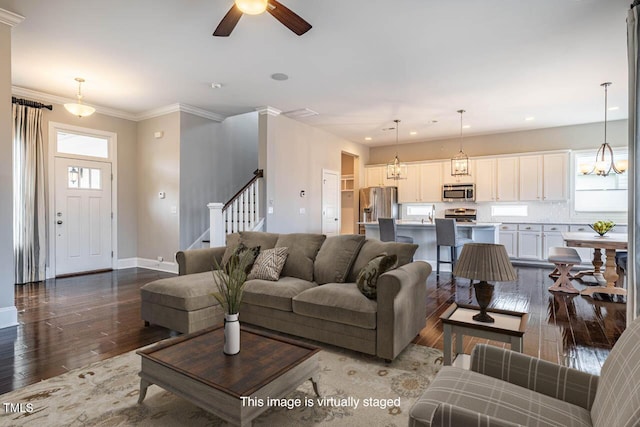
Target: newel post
216, 224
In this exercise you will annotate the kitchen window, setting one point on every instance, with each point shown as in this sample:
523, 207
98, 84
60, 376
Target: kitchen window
595, 193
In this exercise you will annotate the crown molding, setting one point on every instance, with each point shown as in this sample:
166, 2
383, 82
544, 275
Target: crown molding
9, 18
156, 112
268, 110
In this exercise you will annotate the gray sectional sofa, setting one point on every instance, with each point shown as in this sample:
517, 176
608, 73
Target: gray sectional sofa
315, 297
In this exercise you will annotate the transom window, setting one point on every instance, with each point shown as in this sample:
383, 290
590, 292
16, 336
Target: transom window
82, 145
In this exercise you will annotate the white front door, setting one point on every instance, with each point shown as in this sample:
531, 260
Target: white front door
82, 219
330, 202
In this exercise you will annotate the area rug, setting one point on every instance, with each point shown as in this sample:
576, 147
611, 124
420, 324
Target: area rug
106, 393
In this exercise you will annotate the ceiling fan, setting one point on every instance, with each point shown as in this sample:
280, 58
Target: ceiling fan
255, 7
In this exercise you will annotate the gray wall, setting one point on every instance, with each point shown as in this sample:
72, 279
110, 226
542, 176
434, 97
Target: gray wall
577, 137
7, 279
158, 170
296, 153
216, 161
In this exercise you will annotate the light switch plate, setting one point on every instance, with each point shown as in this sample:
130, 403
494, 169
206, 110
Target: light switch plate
270, 210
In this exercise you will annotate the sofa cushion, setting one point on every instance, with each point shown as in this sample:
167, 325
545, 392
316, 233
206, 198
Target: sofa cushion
269, 264
335, 258
337, 302
233, 240
368, 278
276, 295
303, 248
190, 292
500, 399
259, 238
372, 248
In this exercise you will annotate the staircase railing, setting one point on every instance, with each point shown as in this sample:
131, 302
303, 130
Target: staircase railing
240, 213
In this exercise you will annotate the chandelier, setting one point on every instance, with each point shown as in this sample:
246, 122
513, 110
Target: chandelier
395, 169
605, 163
78, 108
460, 162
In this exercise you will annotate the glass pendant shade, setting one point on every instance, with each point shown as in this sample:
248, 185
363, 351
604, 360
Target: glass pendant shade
395, 169
605, 163
78, 108
252, 7
460, 162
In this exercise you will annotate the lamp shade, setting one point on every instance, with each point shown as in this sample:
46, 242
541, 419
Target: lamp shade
80, 110
485, 262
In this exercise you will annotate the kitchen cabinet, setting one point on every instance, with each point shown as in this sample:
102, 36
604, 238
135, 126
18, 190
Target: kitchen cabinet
586, 254
507, 179
447, 178
530, 241
485, 180
376, 176
544, 177
552, 237
423, 183
508, 236
531, 178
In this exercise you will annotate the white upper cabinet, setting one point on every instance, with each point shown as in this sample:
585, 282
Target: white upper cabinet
375, 176
507, 179
409, 189
556, 176
531, 178
431, 182
447, 178
485, 180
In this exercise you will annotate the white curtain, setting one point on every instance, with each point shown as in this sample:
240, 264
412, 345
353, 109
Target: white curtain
29, 202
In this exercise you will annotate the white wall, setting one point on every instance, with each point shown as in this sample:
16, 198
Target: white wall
8, 314
295, 154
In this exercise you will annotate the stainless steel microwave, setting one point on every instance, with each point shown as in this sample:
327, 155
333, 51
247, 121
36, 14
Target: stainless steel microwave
458, 193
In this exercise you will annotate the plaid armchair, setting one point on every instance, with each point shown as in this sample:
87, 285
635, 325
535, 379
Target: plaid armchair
505, 388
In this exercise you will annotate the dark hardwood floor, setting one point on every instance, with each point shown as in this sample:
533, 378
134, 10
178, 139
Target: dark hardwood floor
72, 322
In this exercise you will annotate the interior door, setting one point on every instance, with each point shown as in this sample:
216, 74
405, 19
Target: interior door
330, 202
83, 216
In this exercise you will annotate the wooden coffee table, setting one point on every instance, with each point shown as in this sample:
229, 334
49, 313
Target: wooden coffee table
235, 388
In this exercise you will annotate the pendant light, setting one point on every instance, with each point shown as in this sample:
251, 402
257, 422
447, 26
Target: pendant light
395, 169
78, 108
605, 163
460, 162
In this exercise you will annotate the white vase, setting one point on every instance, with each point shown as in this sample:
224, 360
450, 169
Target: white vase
231, 334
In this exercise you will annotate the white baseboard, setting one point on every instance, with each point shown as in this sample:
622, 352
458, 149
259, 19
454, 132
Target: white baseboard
169, 267
8, 317
127, 263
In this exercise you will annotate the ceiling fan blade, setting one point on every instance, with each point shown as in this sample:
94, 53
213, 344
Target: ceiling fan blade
228, 23
288, 18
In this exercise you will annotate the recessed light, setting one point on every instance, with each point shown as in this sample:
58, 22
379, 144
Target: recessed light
466, 126
614, 108
367, 138
413, 132
530, 118
279, 77
216, 85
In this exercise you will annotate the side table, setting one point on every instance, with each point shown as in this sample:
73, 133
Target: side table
509, 327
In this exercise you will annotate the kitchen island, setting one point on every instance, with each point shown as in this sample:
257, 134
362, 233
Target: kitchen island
424, 235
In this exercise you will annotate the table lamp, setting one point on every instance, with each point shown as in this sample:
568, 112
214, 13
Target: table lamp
484, 262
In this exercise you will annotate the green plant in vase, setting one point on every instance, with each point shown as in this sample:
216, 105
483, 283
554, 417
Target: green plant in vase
230, 279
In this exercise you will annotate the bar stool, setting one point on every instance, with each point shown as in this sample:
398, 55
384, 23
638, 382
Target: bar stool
388, 231
564, 259
447, 235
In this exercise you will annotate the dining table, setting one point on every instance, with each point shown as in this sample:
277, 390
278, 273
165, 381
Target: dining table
610, 242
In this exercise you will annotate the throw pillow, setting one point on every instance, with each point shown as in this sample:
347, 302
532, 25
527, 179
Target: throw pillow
368, 277
269, 264
336, 257
373, 247
239, 255
303, 248
259, 238
233, 240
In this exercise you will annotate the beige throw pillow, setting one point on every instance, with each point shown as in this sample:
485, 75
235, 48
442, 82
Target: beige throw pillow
269, 264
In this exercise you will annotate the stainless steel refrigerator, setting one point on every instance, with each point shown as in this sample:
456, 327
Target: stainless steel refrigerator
378, 202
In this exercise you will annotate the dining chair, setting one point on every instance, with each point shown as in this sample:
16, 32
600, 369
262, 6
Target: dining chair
388, 231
